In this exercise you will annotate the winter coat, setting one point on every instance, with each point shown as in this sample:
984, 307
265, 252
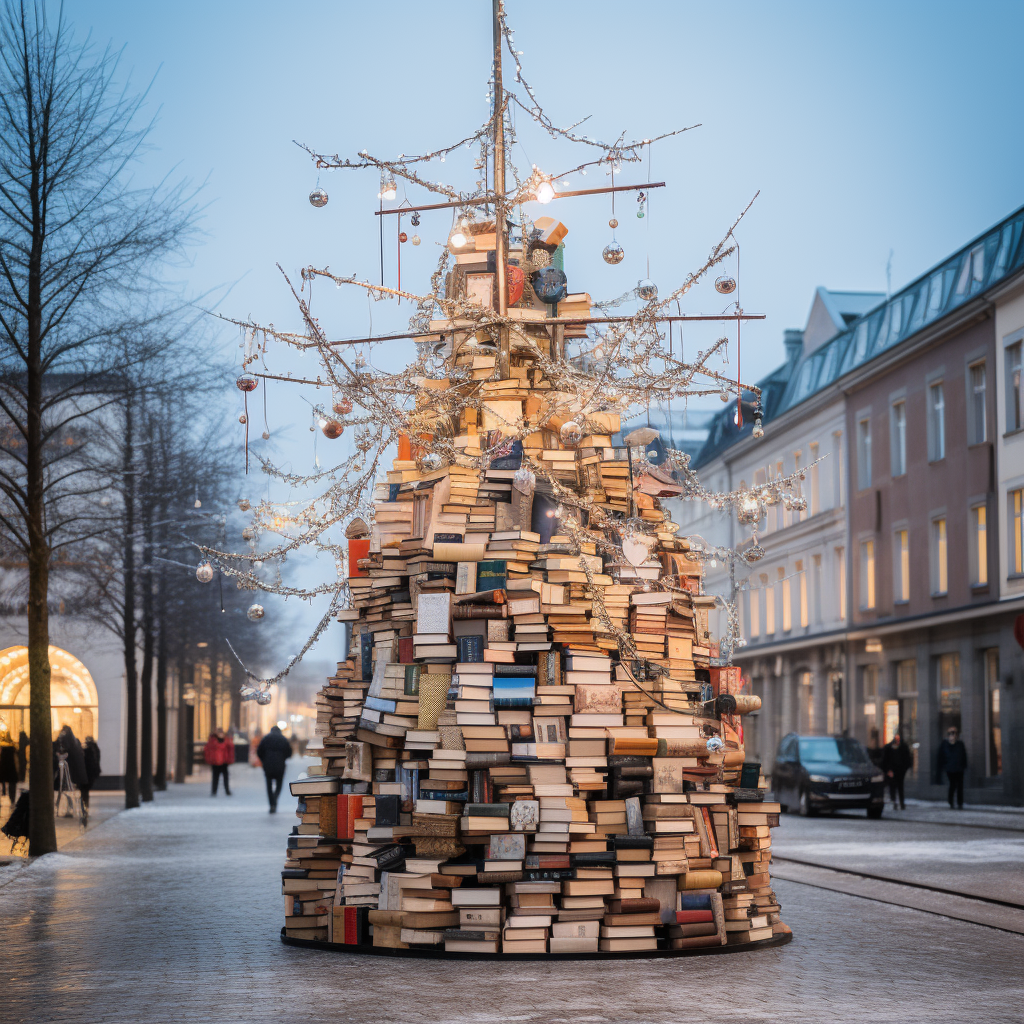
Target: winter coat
219, 751
23, 746
8, 762
67, 743
92, 761
273, 751
952, 757
897, 759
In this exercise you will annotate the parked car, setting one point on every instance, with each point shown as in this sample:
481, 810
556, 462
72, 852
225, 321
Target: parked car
826, 773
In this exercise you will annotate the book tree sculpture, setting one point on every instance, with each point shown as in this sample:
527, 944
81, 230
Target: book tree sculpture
531, 745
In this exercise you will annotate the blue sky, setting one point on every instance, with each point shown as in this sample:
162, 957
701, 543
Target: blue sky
867, 127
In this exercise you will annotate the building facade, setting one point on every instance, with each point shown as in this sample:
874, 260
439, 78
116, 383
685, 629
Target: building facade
889, 604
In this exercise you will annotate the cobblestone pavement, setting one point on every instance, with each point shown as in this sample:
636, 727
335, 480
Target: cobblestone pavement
172, 913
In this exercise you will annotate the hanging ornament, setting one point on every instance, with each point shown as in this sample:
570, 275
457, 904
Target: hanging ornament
331, 428
415, 221
341, 405
725, 285
549, 285
242, 418
402, 236
265, 435
264, 698
723, 395
248, 533
524, 480
318, 198
516, 280
754, 553
749, 510
646, 289
247, 692
431, 462
570, 434
758, 432
247, 382
613, 253
388, 188
613, 223
255, 612
642, 203
715, 745
204, 572
415, 239
243, 505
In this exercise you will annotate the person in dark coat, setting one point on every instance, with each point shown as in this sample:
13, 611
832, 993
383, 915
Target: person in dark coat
273, 751
67, 743
92, 767
953, 761
897, 760
22, 755
8, 765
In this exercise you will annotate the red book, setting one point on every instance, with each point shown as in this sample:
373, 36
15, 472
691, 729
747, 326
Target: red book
405, 651
358, 547
693, 916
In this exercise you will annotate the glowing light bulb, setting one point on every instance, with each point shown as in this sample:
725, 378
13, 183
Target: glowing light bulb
458, 239
544, 192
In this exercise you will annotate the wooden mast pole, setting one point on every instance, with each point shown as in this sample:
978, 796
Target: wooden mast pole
500, 228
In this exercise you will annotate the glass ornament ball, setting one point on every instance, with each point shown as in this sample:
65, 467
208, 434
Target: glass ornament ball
204, 572
415, 239
243, 419
332, 429
549, 285
725, 285
758, 431
318, 198
570, 433
255, 612
754, 554
402, 236
243, 505
524, 480
715, 745
247, 382
415, 220
247, 692
248, 533
723, 395
613, 223
646, 289
613, 253
265, 435
263, 698
341, 405
432, 462
640, 214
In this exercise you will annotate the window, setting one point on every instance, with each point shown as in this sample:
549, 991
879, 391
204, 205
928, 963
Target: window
867, 575
787, 602
837, 469
869, 685
806, 698
906, 693
948, 673
976, 432
940, 580
841, 582
936, 422
994, 762
755, 615
979, 546
815, 489
769, 605
801, 582
1013, 405
901, 566
898, 434
816, 590
1016, 527
863, 454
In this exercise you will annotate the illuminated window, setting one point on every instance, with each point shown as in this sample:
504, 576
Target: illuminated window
940, 579
899, 438
979, 545
754, 628
787, 602
841, 582
901, 566
867, 575
936, 422
864, 454
976, 432
1017, 526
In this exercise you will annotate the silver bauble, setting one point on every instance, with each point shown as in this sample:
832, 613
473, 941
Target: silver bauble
613, 253
646, 289
570, 434
255, 612
725, 285
263, 698
247, 382
758, 432
204, 572
318, 198
714, 745
432, 462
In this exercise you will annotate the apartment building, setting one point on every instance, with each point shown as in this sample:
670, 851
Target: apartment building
890, 604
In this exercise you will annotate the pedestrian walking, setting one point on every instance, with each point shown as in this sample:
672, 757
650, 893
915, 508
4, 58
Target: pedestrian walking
22, 755
67, 743
8, 765
897, 760
218, 753
273, 751
92, 767
953, 761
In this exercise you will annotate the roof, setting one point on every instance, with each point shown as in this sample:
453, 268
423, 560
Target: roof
983, 263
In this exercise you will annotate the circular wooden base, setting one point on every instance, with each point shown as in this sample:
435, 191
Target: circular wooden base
422, 953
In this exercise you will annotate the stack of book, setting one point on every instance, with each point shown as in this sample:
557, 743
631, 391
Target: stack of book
527, 743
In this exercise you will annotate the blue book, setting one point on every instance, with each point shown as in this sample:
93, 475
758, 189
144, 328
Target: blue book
380, 704
491, 575
694, 901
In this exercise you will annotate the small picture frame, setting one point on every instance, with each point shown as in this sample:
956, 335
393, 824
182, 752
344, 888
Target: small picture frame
480, 290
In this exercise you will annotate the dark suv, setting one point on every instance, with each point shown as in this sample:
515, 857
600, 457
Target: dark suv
826, 773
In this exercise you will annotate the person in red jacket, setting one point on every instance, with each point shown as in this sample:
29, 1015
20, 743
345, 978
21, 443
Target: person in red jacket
218, 753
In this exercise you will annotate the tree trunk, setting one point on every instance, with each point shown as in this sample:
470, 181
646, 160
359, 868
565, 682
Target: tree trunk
131, 753
183, 744
42, 828
160, 782
148, 644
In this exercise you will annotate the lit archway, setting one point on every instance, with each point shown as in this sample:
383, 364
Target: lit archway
73, 697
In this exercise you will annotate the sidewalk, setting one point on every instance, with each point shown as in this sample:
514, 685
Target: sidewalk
938, 812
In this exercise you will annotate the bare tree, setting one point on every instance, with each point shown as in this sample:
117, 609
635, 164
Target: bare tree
77, 239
